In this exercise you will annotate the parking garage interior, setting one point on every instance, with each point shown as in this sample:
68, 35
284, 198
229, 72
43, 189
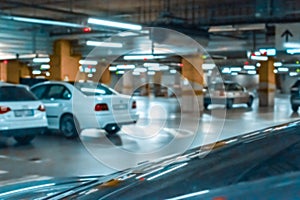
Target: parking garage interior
165, 55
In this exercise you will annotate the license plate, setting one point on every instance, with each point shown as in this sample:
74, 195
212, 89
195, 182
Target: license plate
120, 106
23, 113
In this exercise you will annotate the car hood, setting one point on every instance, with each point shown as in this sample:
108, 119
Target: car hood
247, 158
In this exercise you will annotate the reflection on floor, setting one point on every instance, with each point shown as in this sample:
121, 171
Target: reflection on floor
163, 129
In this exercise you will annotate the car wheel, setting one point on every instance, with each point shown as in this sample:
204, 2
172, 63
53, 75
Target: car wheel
229, 103
68, 126
295, 108
24, 139
112, 129
250, 102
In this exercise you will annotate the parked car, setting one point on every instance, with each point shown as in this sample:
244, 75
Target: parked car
259, 165
227, 93
22, 115
73, 107
295, 96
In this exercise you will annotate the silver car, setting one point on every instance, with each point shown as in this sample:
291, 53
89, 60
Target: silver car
227, 93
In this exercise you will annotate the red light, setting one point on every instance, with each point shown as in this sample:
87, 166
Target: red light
87, 29
42, 108
4, 109
246, 63
145, 59
133, 105
101, 107
5, 62
180, 65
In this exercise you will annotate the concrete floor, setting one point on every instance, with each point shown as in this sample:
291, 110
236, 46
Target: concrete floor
162, 130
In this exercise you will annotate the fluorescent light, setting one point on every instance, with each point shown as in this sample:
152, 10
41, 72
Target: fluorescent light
48, 74
36, 72
112, 68
252, 72
258, 64
143, 57
249, 67
164, 67
277, 64
42, 21
208, 66
293, 74
275, 71
135, 73
45, 66
234, 73
88, 62
104, 44
141, 70
283, 69
292, 51
226, 70
262, 58
120, 72
41, 60
125, 66
114, 24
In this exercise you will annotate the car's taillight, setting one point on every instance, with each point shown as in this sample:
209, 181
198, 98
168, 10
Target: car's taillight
4, 109
101, 107
133, 106
42, 108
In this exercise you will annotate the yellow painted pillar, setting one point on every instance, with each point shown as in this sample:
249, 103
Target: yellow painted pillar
192, 93
64, 65
267, 84
12, 70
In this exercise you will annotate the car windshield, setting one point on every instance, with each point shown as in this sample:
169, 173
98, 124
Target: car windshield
13, 93
92, 89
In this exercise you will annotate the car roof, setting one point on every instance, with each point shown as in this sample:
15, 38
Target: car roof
12, 84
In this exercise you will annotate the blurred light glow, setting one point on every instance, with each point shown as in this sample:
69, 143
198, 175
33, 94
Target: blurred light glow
36, 72
249, 67
112, 68
293, 73
283, 69
41, 60
208, 66
125, 66
143, 57
104, 44
88, 62
293, 51
277, 64
45, 66
114, 24
252, 72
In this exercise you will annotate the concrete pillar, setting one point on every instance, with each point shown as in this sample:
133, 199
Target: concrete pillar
64, 65
267, 83
11, 71
127, 83
192, 94
157, 83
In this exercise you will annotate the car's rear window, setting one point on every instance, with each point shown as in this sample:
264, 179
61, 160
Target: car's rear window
14, 93
91, 89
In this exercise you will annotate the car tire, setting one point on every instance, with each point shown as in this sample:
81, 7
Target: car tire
250, 102
112, 129
206, 106
68, 126
24, 139
295, 108
229, 103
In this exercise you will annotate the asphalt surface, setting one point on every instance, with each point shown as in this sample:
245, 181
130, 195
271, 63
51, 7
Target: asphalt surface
163, 129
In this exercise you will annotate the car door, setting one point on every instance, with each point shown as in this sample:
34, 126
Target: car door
242, 95
56, 98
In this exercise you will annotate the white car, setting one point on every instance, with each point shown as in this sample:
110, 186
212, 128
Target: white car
22, 115
71, 108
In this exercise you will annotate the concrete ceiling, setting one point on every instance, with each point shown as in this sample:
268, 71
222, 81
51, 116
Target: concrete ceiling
251, 23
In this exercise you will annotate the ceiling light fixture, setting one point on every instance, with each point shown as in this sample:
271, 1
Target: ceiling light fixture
104, 44
143, 57
41, 60
42, 21
114, 24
